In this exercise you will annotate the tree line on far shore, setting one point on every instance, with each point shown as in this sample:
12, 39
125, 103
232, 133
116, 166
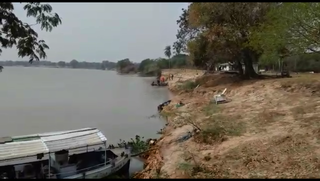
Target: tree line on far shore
147, 67
152, 67
104, 65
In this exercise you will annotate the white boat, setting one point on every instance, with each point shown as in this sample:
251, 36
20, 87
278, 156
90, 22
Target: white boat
75, 154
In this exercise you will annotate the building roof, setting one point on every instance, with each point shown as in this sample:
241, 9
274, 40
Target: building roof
31, 145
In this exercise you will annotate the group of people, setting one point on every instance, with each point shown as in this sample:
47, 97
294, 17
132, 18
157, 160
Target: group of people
161, 80
170, 76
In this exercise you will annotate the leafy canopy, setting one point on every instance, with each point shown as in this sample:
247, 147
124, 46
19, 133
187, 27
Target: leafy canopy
14, 32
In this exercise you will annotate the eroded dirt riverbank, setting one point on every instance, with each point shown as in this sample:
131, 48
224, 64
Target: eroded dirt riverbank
269, 129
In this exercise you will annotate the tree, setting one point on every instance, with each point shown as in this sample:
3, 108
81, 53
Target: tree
163, 63
177, 47
109, 65
144, 63
121, 64
126, 66
179, 60
74, 64
102, 66
197, 50
167, 51
14, 32
227, 27
289, 29
152, 67
185, 33
61, 64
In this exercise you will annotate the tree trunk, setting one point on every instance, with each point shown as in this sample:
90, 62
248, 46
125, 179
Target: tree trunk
239, 66
249, 57
210, 67
249, 71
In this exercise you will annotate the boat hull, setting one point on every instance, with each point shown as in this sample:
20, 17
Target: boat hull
122, 172
122, 166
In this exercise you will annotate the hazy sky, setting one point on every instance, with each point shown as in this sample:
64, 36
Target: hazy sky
107, 31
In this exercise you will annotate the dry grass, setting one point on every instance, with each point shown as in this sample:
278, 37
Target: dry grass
308, 116
307, 84
219, 128
265, 118
187, 85
191, 167
284, 155
212, 80
277, 157
270, 129
300, 110
210, 109
160, 176
167, 113
194, 171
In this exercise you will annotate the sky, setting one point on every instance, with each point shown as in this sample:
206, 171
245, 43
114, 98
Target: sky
94, 32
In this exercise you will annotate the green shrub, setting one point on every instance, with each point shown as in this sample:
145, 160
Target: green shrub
188, 85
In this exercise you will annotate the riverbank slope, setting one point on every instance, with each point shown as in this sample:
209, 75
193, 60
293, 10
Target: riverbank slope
269, 128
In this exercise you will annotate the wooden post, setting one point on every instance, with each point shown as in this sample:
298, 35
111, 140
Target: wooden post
105, 153
49, 165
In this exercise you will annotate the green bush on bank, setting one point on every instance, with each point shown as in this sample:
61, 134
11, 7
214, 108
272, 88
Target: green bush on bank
152, 67
188, 85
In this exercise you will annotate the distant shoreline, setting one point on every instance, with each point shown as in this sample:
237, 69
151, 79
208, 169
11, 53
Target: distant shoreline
74, 64
56, 67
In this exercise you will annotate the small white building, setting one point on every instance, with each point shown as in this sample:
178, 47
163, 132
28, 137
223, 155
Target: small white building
225, 67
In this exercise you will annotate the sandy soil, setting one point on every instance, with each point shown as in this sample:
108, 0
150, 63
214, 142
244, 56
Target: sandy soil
268, 129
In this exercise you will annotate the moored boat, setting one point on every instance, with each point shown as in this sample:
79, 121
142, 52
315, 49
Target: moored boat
160, 85
75, 154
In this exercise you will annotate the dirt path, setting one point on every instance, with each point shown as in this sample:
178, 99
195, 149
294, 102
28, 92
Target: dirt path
269, 129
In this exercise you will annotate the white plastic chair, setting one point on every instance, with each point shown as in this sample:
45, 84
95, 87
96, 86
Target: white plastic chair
220, 97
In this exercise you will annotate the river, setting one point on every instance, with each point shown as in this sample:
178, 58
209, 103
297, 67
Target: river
37, 100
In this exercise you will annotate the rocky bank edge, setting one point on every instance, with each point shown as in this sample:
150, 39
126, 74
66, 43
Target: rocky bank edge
269, 129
